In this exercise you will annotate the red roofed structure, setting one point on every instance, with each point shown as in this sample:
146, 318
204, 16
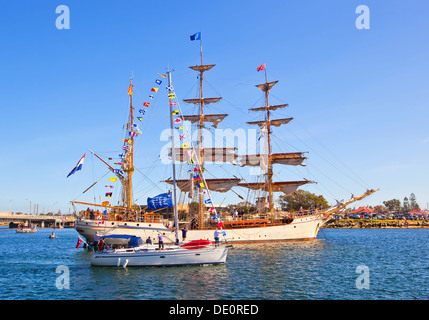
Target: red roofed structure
362, 210
417, 211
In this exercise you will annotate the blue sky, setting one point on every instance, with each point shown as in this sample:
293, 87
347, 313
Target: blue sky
359, 98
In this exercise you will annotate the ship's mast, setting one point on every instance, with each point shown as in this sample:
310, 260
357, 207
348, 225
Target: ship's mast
269, 164
201, 160
201, 101
128, 165
295, 158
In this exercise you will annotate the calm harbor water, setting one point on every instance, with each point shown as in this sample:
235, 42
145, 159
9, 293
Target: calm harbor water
397, 264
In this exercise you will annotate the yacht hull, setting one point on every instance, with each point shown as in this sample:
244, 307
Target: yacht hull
159, 258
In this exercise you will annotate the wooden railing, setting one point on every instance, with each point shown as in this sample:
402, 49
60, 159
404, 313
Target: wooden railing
111, 216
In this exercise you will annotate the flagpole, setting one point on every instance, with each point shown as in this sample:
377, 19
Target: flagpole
173, 152
201, 49
265, 69
86, 243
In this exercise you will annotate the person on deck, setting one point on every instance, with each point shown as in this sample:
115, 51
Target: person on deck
184, 232
161, 241
100, 245
96, 240
216, 237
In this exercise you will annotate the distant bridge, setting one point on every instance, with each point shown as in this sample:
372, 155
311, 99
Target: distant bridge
11, 219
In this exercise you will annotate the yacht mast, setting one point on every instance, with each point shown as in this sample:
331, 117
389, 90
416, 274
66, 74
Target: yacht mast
170, 100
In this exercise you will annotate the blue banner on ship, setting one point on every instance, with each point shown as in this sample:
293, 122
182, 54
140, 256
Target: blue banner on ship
163, 200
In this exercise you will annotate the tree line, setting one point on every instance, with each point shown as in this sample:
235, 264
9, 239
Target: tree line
409, 204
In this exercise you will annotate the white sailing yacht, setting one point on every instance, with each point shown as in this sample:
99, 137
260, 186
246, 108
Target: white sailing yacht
197, 252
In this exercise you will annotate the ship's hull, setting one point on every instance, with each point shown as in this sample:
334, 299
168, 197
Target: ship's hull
301, 228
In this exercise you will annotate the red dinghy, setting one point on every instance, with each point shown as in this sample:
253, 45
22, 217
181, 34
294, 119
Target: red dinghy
196, 244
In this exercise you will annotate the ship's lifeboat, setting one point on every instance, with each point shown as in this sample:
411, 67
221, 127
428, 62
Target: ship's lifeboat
196, 244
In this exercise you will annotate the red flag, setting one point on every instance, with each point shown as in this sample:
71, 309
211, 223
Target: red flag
261, 67
78, 243
220, 224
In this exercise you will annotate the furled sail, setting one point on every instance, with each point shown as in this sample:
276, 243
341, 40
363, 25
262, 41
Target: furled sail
215, 119
209, 154
291, 158
287, 187
270, 108
217, 185
202, 68
275, 122
198, 101
266, 86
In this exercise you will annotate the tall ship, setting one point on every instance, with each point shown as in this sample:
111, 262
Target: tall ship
265, 222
